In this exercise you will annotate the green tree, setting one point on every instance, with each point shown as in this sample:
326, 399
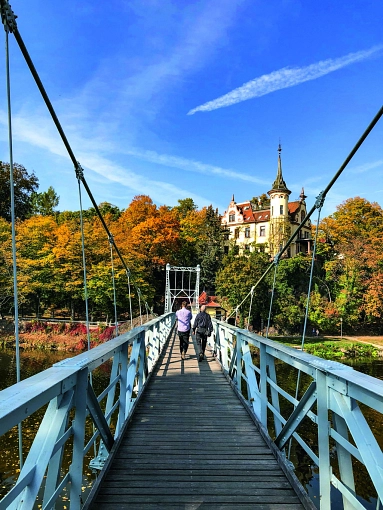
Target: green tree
44, 203
25, 185
185, 206
210, 248
235, 280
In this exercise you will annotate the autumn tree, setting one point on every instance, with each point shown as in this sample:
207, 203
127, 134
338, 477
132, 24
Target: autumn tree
37, 283
25, 184
355, 271
6, 268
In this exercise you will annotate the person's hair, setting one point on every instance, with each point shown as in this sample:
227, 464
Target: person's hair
203, 308
184, 303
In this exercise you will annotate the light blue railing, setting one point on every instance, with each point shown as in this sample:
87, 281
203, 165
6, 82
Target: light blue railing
72, 403
333, 399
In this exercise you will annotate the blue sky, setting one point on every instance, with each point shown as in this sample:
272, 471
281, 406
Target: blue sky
179, 99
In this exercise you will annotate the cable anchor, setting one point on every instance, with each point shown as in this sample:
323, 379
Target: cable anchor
8, 17
79, 171
320, 200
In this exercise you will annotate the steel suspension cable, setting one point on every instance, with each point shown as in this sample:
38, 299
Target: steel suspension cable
83, 261
130, 300
139, 304
13, 222
78, 175
318, 205
323, 194
251, 304
114, 286
9, 20
272, 299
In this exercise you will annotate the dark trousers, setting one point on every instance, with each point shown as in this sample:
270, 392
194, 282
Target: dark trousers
184, 340
201, 340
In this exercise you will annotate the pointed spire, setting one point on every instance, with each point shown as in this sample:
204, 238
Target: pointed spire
302, 196
232, 198
279, 183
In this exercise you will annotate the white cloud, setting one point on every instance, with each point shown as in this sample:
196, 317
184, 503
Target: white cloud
284, 78
366, 167
193, 166
47, 139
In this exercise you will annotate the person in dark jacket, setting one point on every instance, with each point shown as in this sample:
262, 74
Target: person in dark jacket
203, 327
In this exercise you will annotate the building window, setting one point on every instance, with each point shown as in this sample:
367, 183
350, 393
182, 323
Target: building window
247, 232
262, 231
236, 233
225, 250
261, 249
303, 214
247, 247
272, 210
281, 209
231, 217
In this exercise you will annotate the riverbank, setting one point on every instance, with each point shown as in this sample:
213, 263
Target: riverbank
67, 337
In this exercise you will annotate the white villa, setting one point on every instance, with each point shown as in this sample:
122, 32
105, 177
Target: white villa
266, 223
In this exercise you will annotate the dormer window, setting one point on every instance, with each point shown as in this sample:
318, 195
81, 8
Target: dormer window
231, 217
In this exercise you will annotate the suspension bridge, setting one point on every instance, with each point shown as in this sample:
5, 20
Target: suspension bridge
165, 432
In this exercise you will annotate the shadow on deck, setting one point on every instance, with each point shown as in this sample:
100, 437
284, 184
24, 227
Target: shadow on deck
191, 444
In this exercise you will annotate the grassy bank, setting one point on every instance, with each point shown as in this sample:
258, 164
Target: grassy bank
336, 348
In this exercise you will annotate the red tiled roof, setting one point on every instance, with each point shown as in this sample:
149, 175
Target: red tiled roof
246, 211
208, 301
213, 305
262, 215
293, 207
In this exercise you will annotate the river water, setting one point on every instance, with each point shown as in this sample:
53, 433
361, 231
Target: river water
32, 362
35, 361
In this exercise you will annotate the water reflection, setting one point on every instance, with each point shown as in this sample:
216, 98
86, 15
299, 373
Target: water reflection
305, 469
31, 363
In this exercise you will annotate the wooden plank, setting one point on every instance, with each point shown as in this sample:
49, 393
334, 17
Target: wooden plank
111, 496
190, 444
194, 506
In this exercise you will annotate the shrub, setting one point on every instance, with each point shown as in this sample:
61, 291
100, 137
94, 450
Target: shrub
107, 334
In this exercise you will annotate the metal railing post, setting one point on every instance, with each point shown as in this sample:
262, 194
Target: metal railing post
323, 442
78, 425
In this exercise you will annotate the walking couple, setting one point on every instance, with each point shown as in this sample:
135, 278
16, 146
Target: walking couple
202, 325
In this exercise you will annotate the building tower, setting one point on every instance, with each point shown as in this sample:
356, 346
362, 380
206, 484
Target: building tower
280, 229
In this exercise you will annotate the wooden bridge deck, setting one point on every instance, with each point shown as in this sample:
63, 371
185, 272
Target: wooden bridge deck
191, 445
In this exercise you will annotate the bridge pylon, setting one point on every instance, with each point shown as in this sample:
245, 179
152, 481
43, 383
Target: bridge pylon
181, 287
